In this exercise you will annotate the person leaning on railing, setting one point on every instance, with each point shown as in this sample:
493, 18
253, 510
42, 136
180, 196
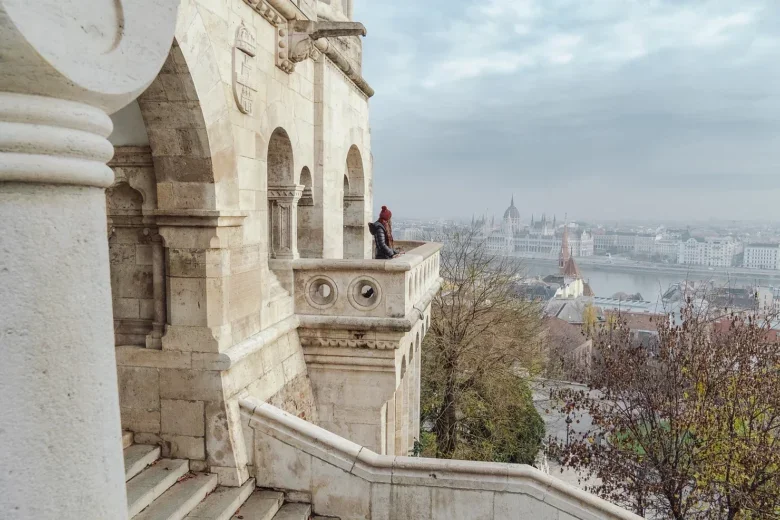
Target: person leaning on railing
382, 230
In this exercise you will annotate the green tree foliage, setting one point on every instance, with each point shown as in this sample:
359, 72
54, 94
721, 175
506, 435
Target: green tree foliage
482, 344
689, 429
590, 320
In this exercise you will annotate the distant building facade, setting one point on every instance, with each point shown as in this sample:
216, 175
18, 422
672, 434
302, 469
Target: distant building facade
762, 256
668, 249
540, 238
580, 244
711, 252
622, 242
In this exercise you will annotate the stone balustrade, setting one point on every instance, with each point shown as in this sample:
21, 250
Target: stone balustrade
367, 288
350, 481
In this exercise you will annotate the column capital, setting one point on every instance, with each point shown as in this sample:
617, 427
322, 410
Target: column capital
102, 53
283, 220
288, 193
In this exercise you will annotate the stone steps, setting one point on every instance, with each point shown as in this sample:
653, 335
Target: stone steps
138, 457
294, 512
164, 489
181, 499
144, 488
261, 505
222, 503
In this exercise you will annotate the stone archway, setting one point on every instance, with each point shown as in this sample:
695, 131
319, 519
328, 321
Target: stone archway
283, 197
354, 206
181, 168
190, 141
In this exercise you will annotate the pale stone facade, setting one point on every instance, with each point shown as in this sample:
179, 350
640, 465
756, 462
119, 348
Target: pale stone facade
227, 246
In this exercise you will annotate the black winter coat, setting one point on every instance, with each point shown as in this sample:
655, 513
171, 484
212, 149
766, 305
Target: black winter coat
383, 251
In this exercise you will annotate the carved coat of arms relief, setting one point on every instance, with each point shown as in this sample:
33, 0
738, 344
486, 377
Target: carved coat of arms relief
244, 51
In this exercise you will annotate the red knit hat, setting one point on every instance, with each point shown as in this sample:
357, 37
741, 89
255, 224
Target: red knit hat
385, 214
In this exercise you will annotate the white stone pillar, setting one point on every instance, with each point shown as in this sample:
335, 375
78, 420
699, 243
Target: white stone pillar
66, 64
283, 216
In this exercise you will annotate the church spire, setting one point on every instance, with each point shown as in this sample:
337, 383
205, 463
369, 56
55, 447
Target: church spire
565, 253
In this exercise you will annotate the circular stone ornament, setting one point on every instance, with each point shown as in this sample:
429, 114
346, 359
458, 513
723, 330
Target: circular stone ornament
321, 292
364, 293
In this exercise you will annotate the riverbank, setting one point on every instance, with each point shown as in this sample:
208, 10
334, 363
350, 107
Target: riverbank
736, 275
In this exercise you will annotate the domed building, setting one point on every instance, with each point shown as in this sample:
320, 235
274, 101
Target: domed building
511, 220
542, 238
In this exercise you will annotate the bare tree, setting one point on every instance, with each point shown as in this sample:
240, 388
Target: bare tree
688, 429
481, 335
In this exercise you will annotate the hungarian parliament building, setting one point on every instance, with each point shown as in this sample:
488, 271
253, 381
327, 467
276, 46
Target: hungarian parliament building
543, 237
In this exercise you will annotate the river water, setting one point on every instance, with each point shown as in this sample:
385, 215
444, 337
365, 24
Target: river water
605, 283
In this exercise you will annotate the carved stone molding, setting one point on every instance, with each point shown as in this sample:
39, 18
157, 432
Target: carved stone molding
131, 156
284, 192
267, 12
298, 40
199, 218
280, 24
304, 48
373, 344
244, 51
301, 36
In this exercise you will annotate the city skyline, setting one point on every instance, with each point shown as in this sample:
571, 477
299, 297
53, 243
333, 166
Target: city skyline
608, 110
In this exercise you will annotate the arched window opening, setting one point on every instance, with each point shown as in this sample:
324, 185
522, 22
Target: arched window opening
355, 223
283, 197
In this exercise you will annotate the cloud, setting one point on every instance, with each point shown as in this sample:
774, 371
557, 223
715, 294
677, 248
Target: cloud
589, 107
505, 36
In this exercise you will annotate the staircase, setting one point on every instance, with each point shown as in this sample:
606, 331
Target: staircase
165, 489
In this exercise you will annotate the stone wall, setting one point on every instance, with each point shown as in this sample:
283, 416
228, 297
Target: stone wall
185, 401
339, 119
135, 250
346, 480
233, 134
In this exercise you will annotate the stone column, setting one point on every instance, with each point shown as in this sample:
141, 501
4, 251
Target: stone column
355, 228
154, 339
66, 65
283, 216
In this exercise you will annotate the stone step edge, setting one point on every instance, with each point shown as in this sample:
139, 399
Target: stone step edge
294, 511
152, 482
223, 502
138, 457
181, 498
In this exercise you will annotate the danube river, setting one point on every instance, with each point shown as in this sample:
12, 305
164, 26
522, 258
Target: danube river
606, 279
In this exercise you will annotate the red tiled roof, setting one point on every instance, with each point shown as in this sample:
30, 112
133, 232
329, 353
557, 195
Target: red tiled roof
571, 270
564, 335
637, 321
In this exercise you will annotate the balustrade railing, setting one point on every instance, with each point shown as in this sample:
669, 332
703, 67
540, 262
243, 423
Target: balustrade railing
367, 288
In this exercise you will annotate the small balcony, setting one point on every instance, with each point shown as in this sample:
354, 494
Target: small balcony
361, 325
381, 289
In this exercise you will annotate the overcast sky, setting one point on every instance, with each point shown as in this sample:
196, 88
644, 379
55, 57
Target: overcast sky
602, 108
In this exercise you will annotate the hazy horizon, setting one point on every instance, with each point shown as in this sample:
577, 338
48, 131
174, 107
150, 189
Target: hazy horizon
607, 109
